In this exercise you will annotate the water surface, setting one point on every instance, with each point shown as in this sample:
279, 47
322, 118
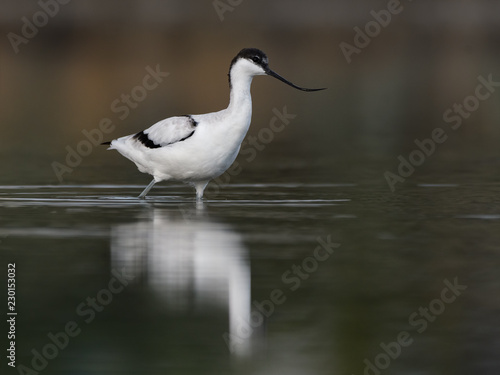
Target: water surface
261, 278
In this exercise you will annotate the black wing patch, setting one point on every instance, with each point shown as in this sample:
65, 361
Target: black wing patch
144, 139
183, 139
193, 122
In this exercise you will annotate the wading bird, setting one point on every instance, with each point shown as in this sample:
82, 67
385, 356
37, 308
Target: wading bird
197, 148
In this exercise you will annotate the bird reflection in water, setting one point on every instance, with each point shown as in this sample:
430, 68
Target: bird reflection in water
194, 262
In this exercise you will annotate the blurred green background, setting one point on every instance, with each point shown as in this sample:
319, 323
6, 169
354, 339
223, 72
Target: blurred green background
396, 89
323, 175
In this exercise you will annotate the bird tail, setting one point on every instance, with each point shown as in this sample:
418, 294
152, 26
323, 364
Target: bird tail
110, 144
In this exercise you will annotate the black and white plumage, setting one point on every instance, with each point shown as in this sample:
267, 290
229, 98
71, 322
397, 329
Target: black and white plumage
180, 128
197, 148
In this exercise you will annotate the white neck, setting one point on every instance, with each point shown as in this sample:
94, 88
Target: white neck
238, 114
240, 99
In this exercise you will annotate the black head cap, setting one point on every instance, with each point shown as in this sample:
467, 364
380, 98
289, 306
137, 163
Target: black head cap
253, 54
259, 58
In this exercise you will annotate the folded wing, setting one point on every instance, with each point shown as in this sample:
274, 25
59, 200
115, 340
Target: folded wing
167, 132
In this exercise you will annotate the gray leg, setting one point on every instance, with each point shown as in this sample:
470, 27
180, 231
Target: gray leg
148, 188
200, 188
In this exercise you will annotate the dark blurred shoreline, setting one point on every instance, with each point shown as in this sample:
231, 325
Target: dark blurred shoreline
396, 89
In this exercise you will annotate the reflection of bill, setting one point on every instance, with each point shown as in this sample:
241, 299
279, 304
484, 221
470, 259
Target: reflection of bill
197, 264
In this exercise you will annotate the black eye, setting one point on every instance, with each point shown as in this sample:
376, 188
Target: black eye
256, 59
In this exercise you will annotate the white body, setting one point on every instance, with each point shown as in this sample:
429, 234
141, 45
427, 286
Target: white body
198, 148
210, 150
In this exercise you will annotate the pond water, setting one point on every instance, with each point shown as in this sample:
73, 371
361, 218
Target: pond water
304, 263
268, 278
